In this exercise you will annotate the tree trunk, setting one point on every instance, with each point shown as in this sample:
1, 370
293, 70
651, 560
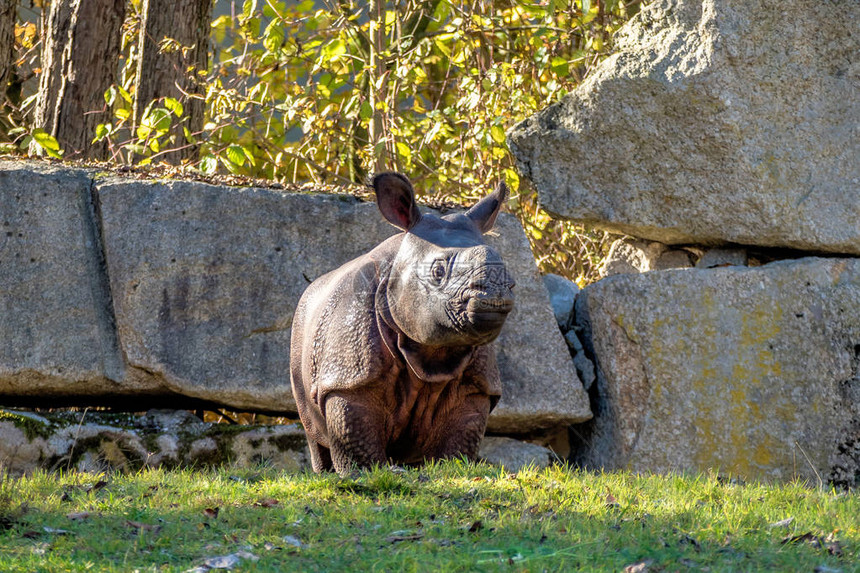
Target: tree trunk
56, 19
172, 72
79, 63
377, 95
7, 44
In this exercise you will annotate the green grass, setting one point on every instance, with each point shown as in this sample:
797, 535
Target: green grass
444, 517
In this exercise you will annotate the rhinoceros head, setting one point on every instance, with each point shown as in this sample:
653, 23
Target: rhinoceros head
446, 287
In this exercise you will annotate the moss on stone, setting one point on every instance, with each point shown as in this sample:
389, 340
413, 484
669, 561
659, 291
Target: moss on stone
222, 453
31, 426
128, 442
286, 443
215, 430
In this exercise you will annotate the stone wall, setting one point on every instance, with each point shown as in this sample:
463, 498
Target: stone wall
97, 442
146, 294
722, 137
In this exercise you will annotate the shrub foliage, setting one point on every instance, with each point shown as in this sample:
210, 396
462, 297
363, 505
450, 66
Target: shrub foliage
330, 92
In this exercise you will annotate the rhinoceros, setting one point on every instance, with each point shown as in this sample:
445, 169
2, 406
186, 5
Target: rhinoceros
390, 357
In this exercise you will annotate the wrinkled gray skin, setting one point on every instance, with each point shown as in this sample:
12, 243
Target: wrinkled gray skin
389, 358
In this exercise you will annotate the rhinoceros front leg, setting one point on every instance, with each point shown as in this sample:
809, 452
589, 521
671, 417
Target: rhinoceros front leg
460, 434
320, 456
355, 431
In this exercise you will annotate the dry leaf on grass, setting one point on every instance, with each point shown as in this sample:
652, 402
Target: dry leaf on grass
807, 537
211, 512
97, 486
688, 540
138, 526
610, 499
833, 546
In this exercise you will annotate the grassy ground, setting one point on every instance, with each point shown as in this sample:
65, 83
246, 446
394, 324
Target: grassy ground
444, 517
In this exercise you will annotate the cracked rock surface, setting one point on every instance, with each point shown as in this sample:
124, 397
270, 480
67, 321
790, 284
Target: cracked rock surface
716, 121
736, 369
142, 294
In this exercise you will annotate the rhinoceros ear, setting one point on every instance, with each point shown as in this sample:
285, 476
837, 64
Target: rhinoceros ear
396, 200
485, 211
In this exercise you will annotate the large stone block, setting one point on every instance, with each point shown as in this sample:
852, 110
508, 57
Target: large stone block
540, 386
205, 280
717, 121
748, 371
56, 331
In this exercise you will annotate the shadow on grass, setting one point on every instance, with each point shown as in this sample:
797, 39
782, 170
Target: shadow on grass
448, 516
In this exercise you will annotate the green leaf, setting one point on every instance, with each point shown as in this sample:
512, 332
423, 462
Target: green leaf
589, 12
174, 105
332, 51
441, 42
124, 95
157, 120
47, 143
102, 130
248, 155
208, 165
248, 8
497, 132
403, 150
512, 178
250, 29
222, 22
143, 131
534, 10
45, 140
110, 95
273, 38
122, 114
236, 155
560, 66
366, 111
231, 167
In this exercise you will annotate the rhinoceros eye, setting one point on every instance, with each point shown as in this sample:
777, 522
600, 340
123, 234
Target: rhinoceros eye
438, 270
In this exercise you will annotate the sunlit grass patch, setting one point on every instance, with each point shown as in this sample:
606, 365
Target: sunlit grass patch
450, 516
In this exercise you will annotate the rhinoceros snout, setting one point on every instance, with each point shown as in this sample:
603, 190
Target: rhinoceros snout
490, 294
489, 303
486, 311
